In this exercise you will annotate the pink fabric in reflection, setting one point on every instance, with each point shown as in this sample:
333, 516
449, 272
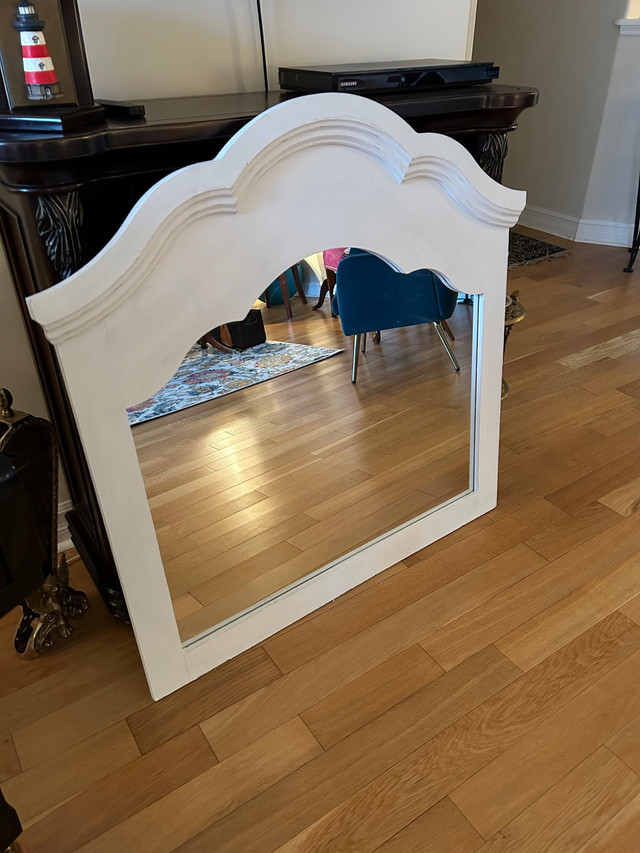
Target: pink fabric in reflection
332, 257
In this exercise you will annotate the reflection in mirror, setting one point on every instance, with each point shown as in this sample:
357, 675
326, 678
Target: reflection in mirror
254, 490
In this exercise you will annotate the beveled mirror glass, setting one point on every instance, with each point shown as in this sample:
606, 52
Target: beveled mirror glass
261, 486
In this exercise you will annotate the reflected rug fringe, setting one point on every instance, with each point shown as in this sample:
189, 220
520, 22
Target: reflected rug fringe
207, 373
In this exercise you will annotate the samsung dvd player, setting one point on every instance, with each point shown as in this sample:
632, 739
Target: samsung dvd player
385, 76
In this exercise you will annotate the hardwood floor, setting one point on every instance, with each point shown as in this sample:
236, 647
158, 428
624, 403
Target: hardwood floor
482, 695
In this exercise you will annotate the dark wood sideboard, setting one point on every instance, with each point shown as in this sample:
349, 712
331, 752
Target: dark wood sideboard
63, 196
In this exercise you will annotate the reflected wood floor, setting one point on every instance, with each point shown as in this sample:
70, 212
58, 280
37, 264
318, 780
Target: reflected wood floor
253, 491
482, 695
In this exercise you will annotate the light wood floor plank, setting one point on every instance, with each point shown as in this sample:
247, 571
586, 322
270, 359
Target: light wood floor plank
200, 802
621, 418
9, 762
527, 426
226, 552
441, 829
98, 639
50, 694
399, 795
51, 782
235, 726
632, 609
571, 811
163, 720
632, 388
624, 499
226, 582
626, 744
555, 626
59, 731
184, 605
596, 485
619, 347
364, 699
305, 795
515, 779
514, 607
425, 575
558, 539
123, 793
620, 834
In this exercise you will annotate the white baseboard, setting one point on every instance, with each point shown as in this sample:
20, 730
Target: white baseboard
64, 537
550, 221
604, 233
579, 230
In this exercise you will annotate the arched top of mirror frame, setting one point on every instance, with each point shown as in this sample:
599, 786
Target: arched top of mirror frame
317, 171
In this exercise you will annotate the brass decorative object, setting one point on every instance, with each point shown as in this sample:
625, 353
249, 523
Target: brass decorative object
48, 610
29, 448
514, 312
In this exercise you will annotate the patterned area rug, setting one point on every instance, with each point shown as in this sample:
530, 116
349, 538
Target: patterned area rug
525, 250
207, 373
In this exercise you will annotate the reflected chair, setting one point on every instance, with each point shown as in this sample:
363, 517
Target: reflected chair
284, 289
371, 295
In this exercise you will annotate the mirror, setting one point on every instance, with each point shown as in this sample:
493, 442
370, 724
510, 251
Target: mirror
257, 488
304, 176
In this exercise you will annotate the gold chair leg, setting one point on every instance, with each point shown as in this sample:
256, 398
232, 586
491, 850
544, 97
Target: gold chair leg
447, 346
356, 353
445, 326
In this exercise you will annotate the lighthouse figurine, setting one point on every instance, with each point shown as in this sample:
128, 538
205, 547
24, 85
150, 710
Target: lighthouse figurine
39, 73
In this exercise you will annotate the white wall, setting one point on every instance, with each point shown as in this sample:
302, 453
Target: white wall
160, 48
306, 33
570, 51
609, 207
164, 49
17, 367
157, 48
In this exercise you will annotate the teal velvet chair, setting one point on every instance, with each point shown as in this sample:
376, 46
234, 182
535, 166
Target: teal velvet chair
371, 295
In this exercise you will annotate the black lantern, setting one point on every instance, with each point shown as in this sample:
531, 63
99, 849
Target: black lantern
29, 570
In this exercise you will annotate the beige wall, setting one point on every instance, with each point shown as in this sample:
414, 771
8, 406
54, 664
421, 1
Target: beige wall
610, 193
17, 368
160, 48
157, 48
567, 50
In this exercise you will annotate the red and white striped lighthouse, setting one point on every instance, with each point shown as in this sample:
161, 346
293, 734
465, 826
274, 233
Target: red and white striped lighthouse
39, 74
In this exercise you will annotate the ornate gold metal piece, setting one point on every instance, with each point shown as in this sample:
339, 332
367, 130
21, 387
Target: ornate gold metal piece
47, 610
514, 312
6, 400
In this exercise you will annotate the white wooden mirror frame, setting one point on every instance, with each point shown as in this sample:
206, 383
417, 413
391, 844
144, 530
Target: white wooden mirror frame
315, 172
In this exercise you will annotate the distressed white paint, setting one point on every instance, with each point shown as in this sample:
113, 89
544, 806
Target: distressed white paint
185, 260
